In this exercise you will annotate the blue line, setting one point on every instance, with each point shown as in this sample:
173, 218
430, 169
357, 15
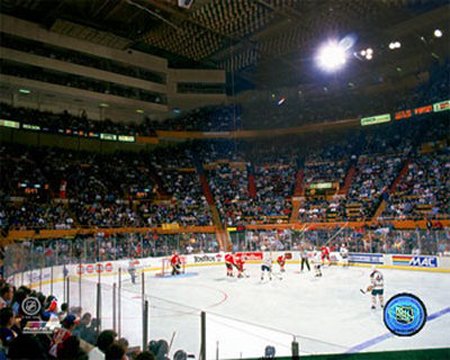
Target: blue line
438, 314
369, 343
380, 338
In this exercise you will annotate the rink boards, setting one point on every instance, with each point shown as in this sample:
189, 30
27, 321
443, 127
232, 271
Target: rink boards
409, 262
299, 305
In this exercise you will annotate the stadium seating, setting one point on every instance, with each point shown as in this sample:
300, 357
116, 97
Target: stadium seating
251, 183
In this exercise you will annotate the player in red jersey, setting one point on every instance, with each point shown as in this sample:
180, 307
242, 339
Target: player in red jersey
175, 262
281, 260
325, 250
230, 262
240, 262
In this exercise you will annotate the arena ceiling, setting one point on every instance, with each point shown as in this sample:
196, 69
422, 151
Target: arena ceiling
263, 43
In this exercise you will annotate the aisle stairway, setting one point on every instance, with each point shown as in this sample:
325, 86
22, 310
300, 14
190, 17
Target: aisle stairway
299, 186
379, 210
222, 235
391, 190
400, 176
299, 192
251, 182
206, 190
296, 205
162, 193
348, 181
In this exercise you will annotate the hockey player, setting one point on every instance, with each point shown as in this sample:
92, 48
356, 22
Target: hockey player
175, 263
230, 263
344, 255
281, 261
376, 287
267, 266
240, 262
132, 271
325, 254
318, 256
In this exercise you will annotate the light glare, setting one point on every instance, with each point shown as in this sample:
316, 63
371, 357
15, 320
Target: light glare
395, 45
331, 56
281, 101
437, 33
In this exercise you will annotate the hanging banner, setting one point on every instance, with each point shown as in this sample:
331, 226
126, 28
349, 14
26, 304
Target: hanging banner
378, 119
441, 106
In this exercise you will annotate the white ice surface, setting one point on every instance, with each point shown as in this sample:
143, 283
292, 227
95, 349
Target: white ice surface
327, 315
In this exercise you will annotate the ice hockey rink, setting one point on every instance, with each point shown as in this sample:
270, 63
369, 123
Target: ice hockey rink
243, 316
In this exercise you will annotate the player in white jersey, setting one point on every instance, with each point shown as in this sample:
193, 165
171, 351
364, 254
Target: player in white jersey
266, 266
132, 271
317, 263
376, 287
344, 255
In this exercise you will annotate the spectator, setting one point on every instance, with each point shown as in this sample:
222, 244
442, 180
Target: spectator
6, 296
146, 355
70, 350
82, 328
115, 351
105, 339
27, 347
7, 322
62, 334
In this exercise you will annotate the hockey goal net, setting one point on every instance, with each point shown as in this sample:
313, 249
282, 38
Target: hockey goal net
166, 268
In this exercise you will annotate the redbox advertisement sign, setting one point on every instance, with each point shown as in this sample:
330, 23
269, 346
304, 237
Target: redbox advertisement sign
252, 255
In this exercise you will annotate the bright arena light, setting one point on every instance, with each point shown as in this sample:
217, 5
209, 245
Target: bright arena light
332, 56
395, 45
437, 33
367, 54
